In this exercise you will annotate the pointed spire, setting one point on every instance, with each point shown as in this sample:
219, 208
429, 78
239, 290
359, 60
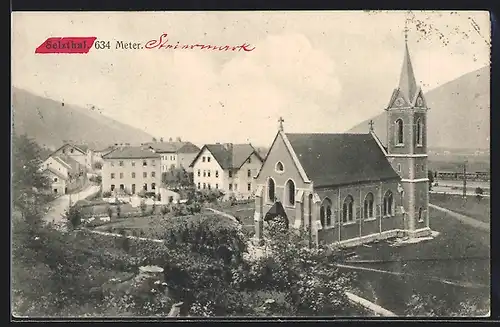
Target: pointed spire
407, 82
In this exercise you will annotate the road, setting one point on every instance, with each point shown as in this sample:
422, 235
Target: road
466, 220
61, 204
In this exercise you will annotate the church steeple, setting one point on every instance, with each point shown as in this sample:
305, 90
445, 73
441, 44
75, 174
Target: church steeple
407, 82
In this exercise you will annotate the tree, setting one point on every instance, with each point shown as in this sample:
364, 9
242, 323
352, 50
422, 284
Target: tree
30, 187
143, 207
479, 193
74, 217
430, 176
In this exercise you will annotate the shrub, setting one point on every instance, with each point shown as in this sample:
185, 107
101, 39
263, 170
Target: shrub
164, 210
143, 208
109, 211
74, 216
106, 194
479, 193
118, 210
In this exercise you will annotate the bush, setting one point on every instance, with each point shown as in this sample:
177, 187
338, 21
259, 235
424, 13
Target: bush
109, 211
164, 210
143, 207
479, 193
74, 217
118, 211
106, 194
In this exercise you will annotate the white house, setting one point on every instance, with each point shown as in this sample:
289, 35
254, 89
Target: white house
227, 167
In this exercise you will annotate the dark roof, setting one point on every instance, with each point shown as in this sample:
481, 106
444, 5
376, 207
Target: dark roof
339, 159
82, 147
171, 147
131, 152
229, 156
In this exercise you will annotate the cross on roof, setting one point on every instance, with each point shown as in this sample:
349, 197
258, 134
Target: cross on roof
280, 121
371, 125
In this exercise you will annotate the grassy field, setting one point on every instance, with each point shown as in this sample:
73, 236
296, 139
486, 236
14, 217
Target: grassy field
471, 206
458, 253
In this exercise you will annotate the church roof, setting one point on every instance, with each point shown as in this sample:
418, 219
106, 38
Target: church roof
340, 159
131, 152
229, 156
407, 83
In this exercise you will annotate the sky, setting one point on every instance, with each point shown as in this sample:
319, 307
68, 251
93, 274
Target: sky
321, 71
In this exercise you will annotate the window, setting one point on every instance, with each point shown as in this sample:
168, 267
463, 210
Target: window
230, 187
347, 209
153, 163
144, 163
290, 192
55, 179
204, 186
420, 215
203, 159
388, 203
250, 160
120, 163
121, 175
153, 174
249, 173
208, 173
249, 186
236, 187
199, 173
216, 186
144, 174
112, 187
122, 187
133, 163
399, 131
270, 190
64, 151
204, 173
399, 168
216, 173
133, 175
133, 188
209, 186
419, 132
368, 206
423, 168
230, 174
279, 167
72, 150
153, 186
326, 213
173, 157
112, 175
199, 186
208, 159
145, 187
172, 166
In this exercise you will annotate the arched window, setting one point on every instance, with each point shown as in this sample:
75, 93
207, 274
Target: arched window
347, 209
290, 192
388, 202
270, 190
368, 206
419, 131
322, 216
279, 167
399, 131
420, 215
326, 213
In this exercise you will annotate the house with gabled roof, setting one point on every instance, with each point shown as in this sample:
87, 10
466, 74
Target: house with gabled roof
227, 167
81, 153
350, 188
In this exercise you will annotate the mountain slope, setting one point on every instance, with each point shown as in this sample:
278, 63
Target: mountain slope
50, 123
459, 115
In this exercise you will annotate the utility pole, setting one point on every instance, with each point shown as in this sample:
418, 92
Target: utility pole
465, 180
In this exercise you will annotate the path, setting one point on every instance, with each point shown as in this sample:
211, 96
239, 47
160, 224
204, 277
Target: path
466, 220
59, 205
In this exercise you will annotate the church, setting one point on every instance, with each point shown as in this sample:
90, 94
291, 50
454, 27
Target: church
349, 189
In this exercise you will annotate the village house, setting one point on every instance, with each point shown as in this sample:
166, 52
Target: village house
130, 170
81, 153
230, 168
350, 188
99, 153
64, 172
175, 154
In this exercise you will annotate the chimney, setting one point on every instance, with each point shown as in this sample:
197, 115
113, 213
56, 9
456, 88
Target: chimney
170, 139
228, 146
179, 139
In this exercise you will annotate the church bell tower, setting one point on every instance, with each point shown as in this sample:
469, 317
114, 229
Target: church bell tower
407, 147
